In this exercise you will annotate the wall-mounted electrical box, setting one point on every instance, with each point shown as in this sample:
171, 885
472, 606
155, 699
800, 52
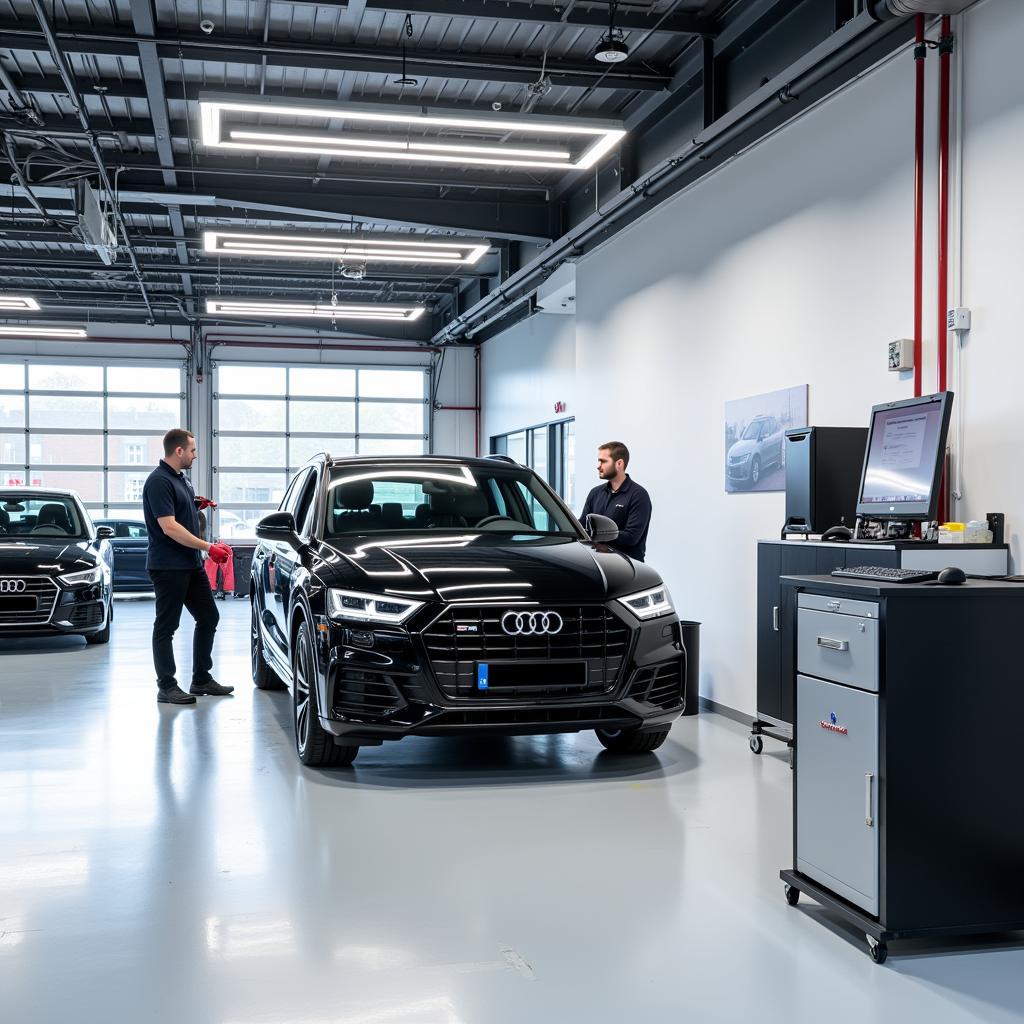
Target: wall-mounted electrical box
901, 354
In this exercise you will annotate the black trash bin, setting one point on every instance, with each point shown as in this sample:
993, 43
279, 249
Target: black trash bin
690, 632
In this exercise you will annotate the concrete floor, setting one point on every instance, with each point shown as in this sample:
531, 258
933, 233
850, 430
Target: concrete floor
177, 865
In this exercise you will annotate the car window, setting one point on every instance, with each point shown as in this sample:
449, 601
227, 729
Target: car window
291, 495
304, 505
41, 516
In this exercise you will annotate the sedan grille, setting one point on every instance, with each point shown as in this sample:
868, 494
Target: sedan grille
592, 645
31, 605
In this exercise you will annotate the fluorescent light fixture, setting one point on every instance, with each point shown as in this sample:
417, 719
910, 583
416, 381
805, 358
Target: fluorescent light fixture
41, 332
18, 302
490, 147
317, 310
344, 247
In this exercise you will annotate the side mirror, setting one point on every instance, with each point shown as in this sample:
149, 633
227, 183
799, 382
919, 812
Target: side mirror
103, 532
278, 526
602, 530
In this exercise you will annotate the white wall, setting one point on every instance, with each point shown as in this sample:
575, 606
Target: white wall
526, 370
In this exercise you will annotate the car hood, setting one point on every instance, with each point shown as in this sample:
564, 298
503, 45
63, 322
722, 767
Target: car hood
741, 448
474, 567
37, 557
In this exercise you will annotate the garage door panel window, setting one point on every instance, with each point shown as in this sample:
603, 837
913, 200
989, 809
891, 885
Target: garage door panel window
66, 450
330, 417
321, 382
12, 411
88, 483
62, 411
154, 380
250, 451
12, 449
135, 449
142, 413
251, 414
302, 449
251, 380
52, 377
392, 446
392, 384
390, 418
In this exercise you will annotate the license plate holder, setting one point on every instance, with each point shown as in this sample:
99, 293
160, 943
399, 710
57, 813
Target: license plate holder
511, 675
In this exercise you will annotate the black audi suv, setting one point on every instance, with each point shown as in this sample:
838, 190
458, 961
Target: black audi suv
55, 566
438, 595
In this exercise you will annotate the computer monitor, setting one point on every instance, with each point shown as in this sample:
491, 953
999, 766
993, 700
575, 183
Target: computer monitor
903, 461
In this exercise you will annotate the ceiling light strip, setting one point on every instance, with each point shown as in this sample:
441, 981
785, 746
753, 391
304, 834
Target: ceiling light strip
605, 136
7, 331
341, 311
19, 302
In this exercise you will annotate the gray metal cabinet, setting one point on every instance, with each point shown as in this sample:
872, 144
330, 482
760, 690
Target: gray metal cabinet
837, 786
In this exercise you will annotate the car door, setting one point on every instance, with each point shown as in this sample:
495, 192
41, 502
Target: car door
277, 568
129, 545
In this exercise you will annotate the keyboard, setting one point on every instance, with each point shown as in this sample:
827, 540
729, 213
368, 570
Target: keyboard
882, 574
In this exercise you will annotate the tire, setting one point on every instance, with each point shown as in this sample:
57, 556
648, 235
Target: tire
755, 471
631, 741
103, 636
314, 745
263, 676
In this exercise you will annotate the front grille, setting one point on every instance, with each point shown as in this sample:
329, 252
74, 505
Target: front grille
85, 615
359, 694
461, 638
511, 717
661, 685
13, 609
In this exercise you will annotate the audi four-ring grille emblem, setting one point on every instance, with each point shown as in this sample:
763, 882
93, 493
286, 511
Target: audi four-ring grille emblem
531, 623
12, 586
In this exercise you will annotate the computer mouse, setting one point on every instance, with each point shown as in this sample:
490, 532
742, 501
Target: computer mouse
838, 533
952, 575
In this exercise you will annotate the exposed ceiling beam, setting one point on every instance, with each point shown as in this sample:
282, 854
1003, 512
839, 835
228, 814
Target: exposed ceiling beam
144, 20
17, 36
626, 17
522, 221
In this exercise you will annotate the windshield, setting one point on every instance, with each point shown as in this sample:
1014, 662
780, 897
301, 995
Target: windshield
396, 498
753, 431
40, 515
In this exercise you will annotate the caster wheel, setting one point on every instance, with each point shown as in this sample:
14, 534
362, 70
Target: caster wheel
878, 950
756, 744
792, 895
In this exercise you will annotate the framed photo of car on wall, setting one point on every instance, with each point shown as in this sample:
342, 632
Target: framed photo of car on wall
755, 430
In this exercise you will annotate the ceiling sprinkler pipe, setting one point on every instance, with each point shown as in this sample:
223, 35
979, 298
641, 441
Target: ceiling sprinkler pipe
887, 10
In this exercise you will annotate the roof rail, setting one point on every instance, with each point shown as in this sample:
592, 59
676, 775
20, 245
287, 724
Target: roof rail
502, 458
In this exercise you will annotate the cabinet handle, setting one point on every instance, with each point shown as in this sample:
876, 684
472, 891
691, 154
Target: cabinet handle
868, 820
775, 618
833, 645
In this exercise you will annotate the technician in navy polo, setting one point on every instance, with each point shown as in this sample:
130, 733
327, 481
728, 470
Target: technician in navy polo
175, 566
621, 499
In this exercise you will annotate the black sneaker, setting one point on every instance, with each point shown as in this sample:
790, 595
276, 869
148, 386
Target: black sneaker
174, 695
211, 688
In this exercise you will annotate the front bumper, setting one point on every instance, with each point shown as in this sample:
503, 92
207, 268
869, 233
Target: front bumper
740, 472
380, 683
73, 611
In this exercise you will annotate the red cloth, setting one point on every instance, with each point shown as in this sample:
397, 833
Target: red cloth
226, 570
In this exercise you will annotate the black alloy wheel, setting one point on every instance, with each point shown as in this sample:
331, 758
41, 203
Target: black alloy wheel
631, 741
263, 676
314, 745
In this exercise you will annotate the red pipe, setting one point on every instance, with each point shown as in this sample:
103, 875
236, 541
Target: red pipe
920, 52
945, 50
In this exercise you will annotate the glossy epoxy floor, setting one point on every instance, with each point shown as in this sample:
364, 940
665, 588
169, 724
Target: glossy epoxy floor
178, 865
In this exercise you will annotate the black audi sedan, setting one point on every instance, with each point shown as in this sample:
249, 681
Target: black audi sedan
439, 596
55, 566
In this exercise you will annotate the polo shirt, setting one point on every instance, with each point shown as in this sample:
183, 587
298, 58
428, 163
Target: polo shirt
630, 509
169, 493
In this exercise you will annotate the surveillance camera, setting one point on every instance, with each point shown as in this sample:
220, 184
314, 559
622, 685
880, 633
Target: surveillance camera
495, 106
206, 25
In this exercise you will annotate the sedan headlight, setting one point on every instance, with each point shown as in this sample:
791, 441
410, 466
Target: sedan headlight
649, 604
81, 579
351, 604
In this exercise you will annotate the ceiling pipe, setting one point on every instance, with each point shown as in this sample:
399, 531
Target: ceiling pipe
235, 342
68, 77
888, 10
18, 105
843, 46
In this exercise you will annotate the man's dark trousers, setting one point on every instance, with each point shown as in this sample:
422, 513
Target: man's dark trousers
176, 589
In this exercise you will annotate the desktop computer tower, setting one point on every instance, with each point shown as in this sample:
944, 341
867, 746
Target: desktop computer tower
823, 469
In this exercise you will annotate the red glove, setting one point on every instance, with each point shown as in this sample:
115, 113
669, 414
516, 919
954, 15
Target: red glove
202, 502
220, 553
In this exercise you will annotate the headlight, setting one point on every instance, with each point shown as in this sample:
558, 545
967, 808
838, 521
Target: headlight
351, 604
745, 457
649, 604
79, 579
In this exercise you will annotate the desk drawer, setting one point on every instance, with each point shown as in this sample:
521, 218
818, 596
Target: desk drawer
843, 648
